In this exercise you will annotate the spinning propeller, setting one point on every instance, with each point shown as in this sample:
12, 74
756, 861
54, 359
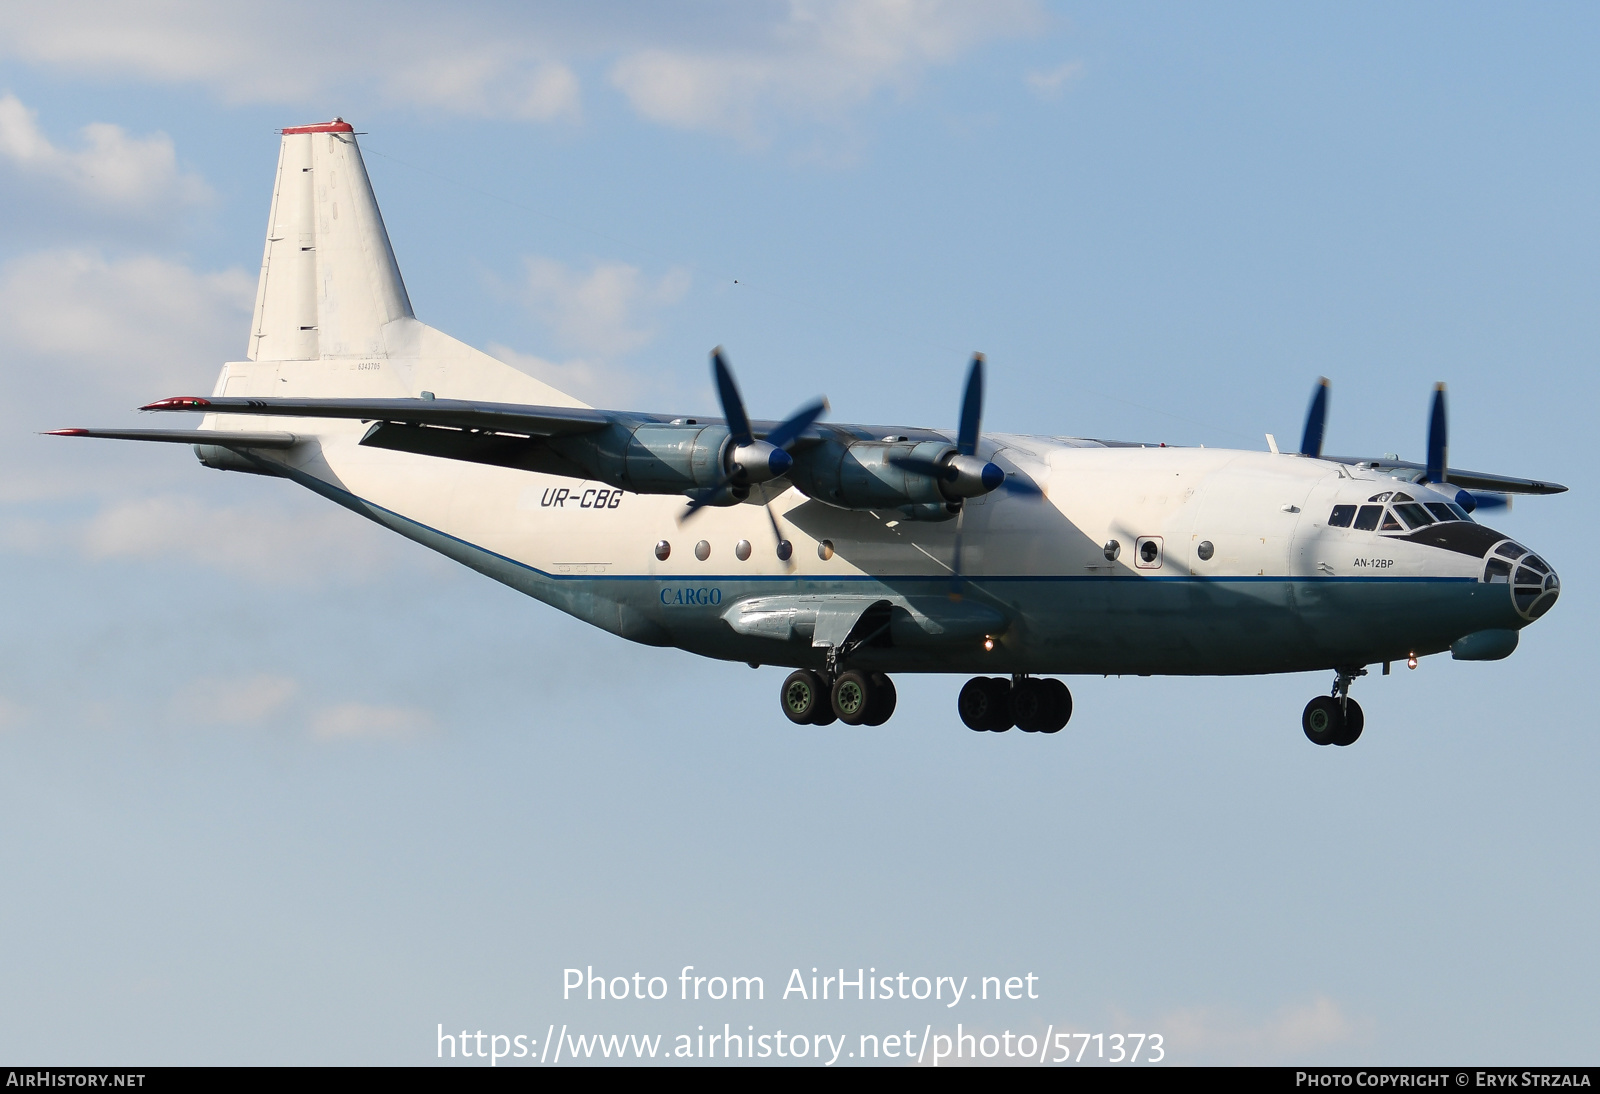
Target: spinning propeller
1435, 471
747, 461
962, 474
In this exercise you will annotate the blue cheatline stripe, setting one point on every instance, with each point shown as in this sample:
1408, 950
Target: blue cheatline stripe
349, 500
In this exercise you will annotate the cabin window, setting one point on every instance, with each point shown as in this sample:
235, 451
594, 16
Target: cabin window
1367, 518
1341, 516
1441, 510
1389, 523
1414, 515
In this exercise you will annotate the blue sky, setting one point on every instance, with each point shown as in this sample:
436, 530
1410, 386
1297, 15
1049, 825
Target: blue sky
275, 787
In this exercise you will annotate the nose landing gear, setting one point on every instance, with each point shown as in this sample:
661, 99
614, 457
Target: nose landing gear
1335, 719
993, 704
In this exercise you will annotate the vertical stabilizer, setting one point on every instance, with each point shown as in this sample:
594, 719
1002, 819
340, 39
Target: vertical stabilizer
329, 281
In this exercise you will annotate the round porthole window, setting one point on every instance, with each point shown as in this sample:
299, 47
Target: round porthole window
825, 550
1205, 550
741, 550
785, 549
663, 549
1112, 550
702, 550
1149, 551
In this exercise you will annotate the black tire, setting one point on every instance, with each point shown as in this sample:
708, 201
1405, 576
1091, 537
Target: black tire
883, 700
1323, 720
1032, 705
975, 704
1354, 722
1001, 689
802, 695
1063, 706
852, 697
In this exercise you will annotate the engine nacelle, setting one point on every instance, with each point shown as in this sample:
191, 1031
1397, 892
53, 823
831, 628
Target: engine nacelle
863, 475
654, 458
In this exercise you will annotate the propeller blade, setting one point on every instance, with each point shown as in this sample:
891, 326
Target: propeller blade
1316, 421
1438, 440
971, 409
955, 558
785, 548
732, 404
1021, 487
796, 424
705, 498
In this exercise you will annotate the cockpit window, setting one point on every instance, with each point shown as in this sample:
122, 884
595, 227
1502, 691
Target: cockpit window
1402, 497
1367, 518
1341, 517
1459, 512
1389, 523
1385, 496
1414, 515
1441, 510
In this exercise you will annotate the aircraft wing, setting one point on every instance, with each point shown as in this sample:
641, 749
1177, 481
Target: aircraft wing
540, 421
1470, 480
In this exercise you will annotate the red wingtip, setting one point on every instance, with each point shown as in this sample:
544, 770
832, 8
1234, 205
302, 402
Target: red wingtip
181, 402
66, 433
338, 125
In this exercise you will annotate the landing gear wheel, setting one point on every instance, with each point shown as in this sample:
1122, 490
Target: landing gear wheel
1324, 720
1063, 706
804, 698
881, 705
1354, 720
1032, 705
852, 697
985, 704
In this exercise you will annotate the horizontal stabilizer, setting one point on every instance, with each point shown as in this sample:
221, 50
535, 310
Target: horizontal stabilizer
222, 438
542, 421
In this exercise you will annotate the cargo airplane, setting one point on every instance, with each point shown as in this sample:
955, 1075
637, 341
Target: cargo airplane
848, 552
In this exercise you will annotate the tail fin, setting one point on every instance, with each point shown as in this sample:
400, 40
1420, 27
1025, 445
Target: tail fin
332, 317
329, 282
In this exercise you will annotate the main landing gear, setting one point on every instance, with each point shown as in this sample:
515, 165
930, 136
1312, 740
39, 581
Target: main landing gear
854, 697
993, 704
1335, 719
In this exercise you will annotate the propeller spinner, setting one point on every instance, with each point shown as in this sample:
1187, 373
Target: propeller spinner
748, 461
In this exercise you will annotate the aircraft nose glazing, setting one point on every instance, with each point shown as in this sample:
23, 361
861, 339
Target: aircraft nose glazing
1534, 585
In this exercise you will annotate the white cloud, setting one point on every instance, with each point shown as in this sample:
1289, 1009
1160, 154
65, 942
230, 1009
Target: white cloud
1224, 1033
724, 65
139, 325
248, 701
362, 721
607, 310
1048, 84
111, 168
259, 543
822, 58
